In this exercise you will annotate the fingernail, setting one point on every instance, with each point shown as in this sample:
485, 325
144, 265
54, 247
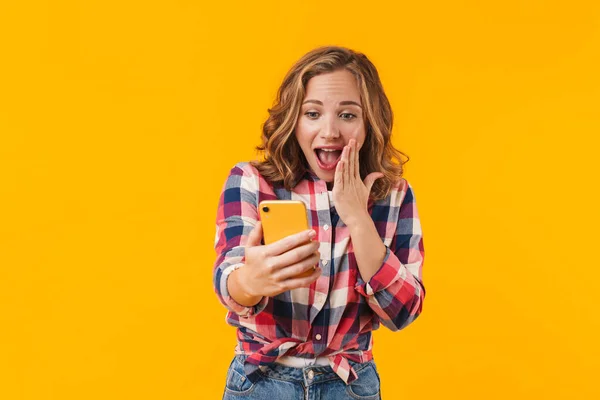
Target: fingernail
312, 233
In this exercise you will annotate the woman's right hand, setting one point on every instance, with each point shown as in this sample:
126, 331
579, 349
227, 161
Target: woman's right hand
274, 268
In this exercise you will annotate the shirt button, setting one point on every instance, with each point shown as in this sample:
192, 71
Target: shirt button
324, 262
318, 336
311, 374
325, 226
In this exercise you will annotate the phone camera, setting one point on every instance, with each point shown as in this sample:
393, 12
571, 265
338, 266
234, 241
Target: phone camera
266, 209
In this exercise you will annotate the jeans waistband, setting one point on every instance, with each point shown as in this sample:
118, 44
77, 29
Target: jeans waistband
313, 373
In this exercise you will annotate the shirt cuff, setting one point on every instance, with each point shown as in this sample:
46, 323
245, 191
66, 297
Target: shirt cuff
242, 311
389, 272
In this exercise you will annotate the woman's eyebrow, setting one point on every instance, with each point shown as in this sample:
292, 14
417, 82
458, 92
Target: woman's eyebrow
342, 103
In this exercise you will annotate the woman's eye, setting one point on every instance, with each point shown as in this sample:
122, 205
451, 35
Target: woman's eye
314, 114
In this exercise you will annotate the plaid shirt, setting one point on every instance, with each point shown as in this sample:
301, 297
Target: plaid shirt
336, 315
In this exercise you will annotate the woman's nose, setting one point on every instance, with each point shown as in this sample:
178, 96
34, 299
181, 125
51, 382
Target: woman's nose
330, 130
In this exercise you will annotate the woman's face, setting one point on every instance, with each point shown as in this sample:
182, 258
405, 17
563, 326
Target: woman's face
330, 116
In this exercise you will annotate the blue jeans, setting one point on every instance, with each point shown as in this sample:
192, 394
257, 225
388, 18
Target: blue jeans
280, 382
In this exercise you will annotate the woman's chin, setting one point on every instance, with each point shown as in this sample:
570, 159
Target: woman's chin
327, 176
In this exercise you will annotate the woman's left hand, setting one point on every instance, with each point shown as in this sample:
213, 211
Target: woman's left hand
350, 194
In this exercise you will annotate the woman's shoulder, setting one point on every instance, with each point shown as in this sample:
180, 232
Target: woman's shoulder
406, 192
247, 168
400, 184
400, 192
245, 175
242, 175
246, 171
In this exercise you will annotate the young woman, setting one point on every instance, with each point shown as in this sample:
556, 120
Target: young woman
326, 143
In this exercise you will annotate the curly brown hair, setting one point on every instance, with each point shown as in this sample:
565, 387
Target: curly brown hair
284, 161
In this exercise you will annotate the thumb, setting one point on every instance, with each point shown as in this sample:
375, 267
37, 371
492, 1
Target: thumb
371, 178
255, 236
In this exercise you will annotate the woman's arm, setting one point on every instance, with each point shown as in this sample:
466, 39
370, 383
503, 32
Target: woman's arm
236, 217
391, 277
369, 250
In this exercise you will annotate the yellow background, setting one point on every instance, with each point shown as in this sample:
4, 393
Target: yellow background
119, 122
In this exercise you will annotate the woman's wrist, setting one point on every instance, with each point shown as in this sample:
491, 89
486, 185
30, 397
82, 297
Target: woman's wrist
239, 290
359, 221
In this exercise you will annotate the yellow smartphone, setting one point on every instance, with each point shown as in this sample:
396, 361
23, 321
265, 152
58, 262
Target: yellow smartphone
281, 218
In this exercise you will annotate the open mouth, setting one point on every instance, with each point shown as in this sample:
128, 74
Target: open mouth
328, 158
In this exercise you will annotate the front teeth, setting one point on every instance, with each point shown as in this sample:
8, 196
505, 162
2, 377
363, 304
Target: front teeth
328, 150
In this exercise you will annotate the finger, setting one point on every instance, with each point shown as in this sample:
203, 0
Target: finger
255, 236
294, 283
339, 176
294, 255
356, 164
289, 242
350, 159
292, 271
345, 170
